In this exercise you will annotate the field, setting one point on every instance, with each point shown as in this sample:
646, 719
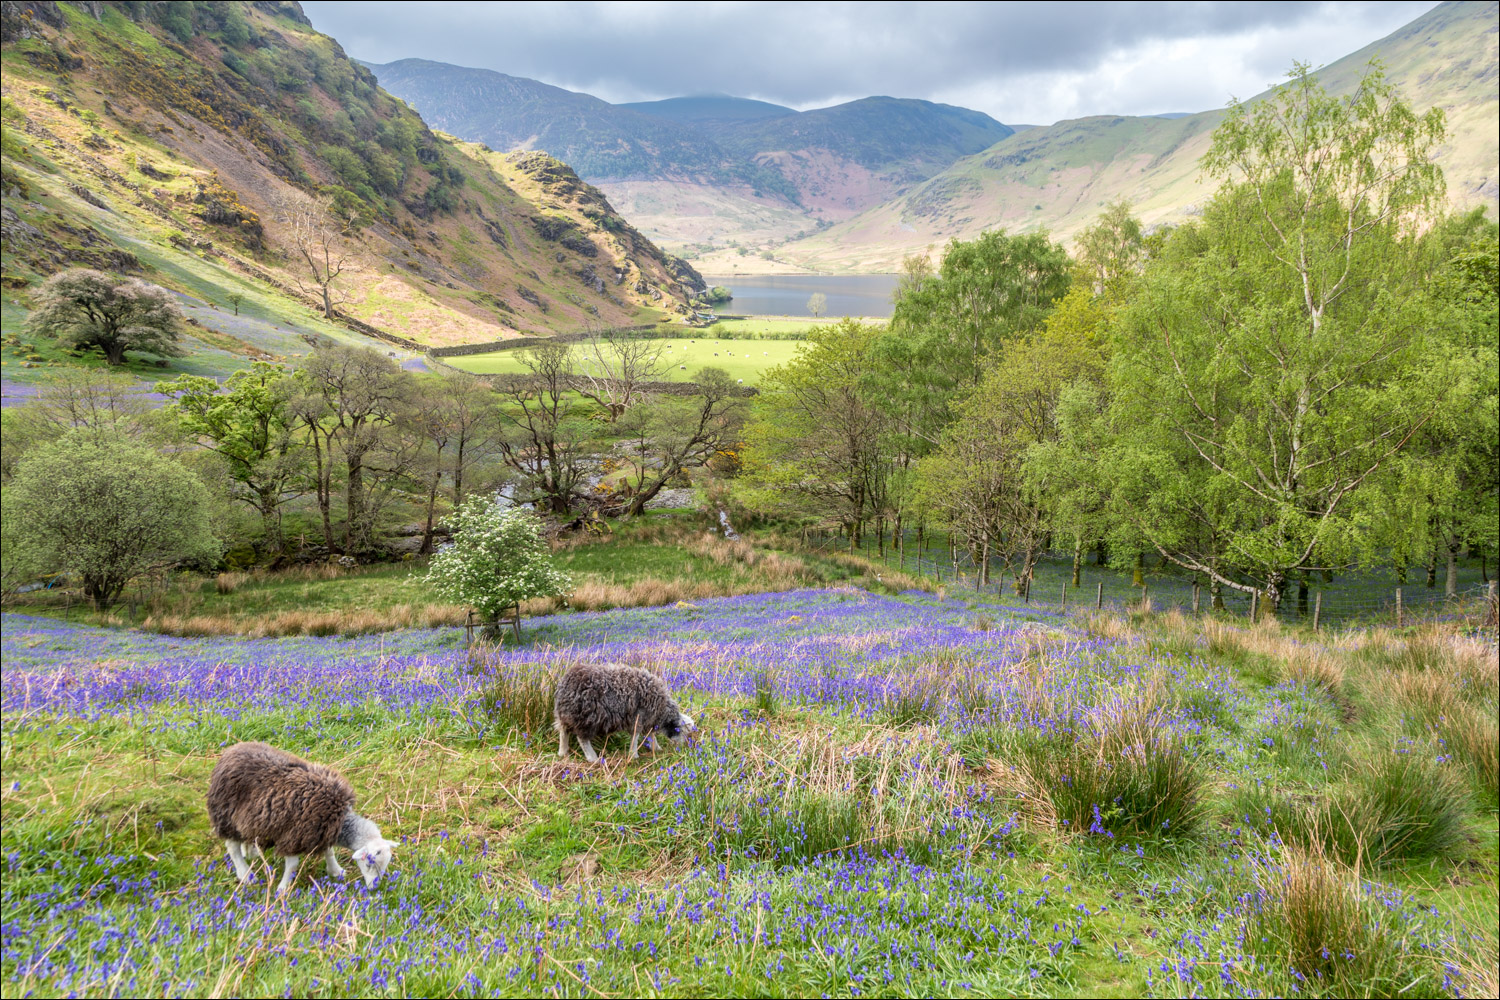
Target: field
742, 359
890, 795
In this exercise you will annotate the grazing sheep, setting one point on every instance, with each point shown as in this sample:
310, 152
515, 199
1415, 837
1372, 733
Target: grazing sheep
594, 700
260, 796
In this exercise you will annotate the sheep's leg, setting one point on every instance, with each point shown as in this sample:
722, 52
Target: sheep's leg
635, 742
291, 873
588, 750
237, 858
562, 742
651, 742
334, 870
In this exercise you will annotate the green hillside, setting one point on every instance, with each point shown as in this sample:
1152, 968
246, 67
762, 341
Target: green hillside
699, 173
168, 146
1058, 177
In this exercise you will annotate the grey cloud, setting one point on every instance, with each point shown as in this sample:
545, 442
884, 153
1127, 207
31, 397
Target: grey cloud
1005, 56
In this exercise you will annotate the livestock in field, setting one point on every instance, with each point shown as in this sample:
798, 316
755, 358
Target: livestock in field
596, 699
259, 796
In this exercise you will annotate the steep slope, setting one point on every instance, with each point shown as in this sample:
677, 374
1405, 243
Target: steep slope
1058, 177
709, 109
700, 172
171, 145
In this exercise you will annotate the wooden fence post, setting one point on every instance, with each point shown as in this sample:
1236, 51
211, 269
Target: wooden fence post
1398, 607
1195, 597
1254, 604
1317, 609
1099, 599
1065, 594
1145, 600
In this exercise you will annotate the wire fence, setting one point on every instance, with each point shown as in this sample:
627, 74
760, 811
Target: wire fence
1356, 599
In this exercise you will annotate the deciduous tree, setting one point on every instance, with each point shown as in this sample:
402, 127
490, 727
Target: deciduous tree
83, 308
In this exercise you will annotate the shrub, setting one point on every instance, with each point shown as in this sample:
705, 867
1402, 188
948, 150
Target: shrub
497, 560
105, 509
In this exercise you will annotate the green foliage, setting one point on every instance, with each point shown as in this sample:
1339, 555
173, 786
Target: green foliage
497, 560
948, 327
106, 509
82, 308
250, 423
1276, 355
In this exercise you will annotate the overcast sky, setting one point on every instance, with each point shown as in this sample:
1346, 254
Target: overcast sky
1032, 63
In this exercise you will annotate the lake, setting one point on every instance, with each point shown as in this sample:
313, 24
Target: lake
787, 294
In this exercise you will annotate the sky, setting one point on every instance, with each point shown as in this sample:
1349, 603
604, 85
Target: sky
1021, 63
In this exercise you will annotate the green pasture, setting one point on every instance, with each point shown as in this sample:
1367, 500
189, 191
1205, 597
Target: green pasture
685, 356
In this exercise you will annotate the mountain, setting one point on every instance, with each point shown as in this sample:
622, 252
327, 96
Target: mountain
166, 140
695, 172
1058, 177
709, 109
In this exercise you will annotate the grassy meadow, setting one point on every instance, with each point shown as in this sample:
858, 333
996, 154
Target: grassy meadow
897, 794
684, 356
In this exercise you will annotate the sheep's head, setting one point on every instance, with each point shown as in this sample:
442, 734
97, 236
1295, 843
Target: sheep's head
680, 728
373, 858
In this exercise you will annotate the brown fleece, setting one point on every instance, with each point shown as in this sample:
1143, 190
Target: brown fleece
261, 795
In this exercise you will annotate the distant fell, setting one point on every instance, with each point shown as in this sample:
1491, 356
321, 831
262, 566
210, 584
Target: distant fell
715, 109
1058, 177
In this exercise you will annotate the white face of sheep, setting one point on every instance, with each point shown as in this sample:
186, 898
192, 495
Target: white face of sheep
373, 859
679, 731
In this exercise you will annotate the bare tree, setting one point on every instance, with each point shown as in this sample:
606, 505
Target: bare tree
543, 437
614, 368
361, 392
683, 432
318, 244
454, 418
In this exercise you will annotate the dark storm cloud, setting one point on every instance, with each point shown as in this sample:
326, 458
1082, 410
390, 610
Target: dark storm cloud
1018, 62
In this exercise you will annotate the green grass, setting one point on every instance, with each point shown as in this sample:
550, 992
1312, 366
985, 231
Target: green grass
685, 356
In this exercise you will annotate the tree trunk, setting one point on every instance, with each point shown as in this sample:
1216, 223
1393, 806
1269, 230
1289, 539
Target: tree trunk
327, 303
1432, 570
638, 504
1302, 597
114, 352
1100, 556
325, 490
1077, 560
1450, 585
270, 519
354, 506
1138, 578
431, 503
1216, 594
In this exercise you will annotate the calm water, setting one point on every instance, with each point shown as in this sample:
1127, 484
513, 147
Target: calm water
787, 295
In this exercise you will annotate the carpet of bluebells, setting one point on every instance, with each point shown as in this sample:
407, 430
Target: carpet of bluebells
930, 884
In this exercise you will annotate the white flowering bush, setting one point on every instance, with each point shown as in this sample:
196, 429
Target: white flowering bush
497, 560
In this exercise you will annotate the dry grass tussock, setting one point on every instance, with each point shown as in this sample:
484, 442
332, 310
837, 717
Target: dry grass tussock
283, 623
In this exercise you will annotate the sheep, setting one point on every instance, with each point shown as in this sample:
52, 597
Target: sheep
259, 796
594, 700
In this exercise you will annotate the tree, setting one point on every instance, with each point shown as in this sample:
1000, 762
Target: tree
497, 560
1273, 358
107, 510
250, 423
817, 304
679, 432
351, 396
542, 436
318, 242
455, 418
977, 480
1112, 249
614, 368
817, 443
83, 308
987, 292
